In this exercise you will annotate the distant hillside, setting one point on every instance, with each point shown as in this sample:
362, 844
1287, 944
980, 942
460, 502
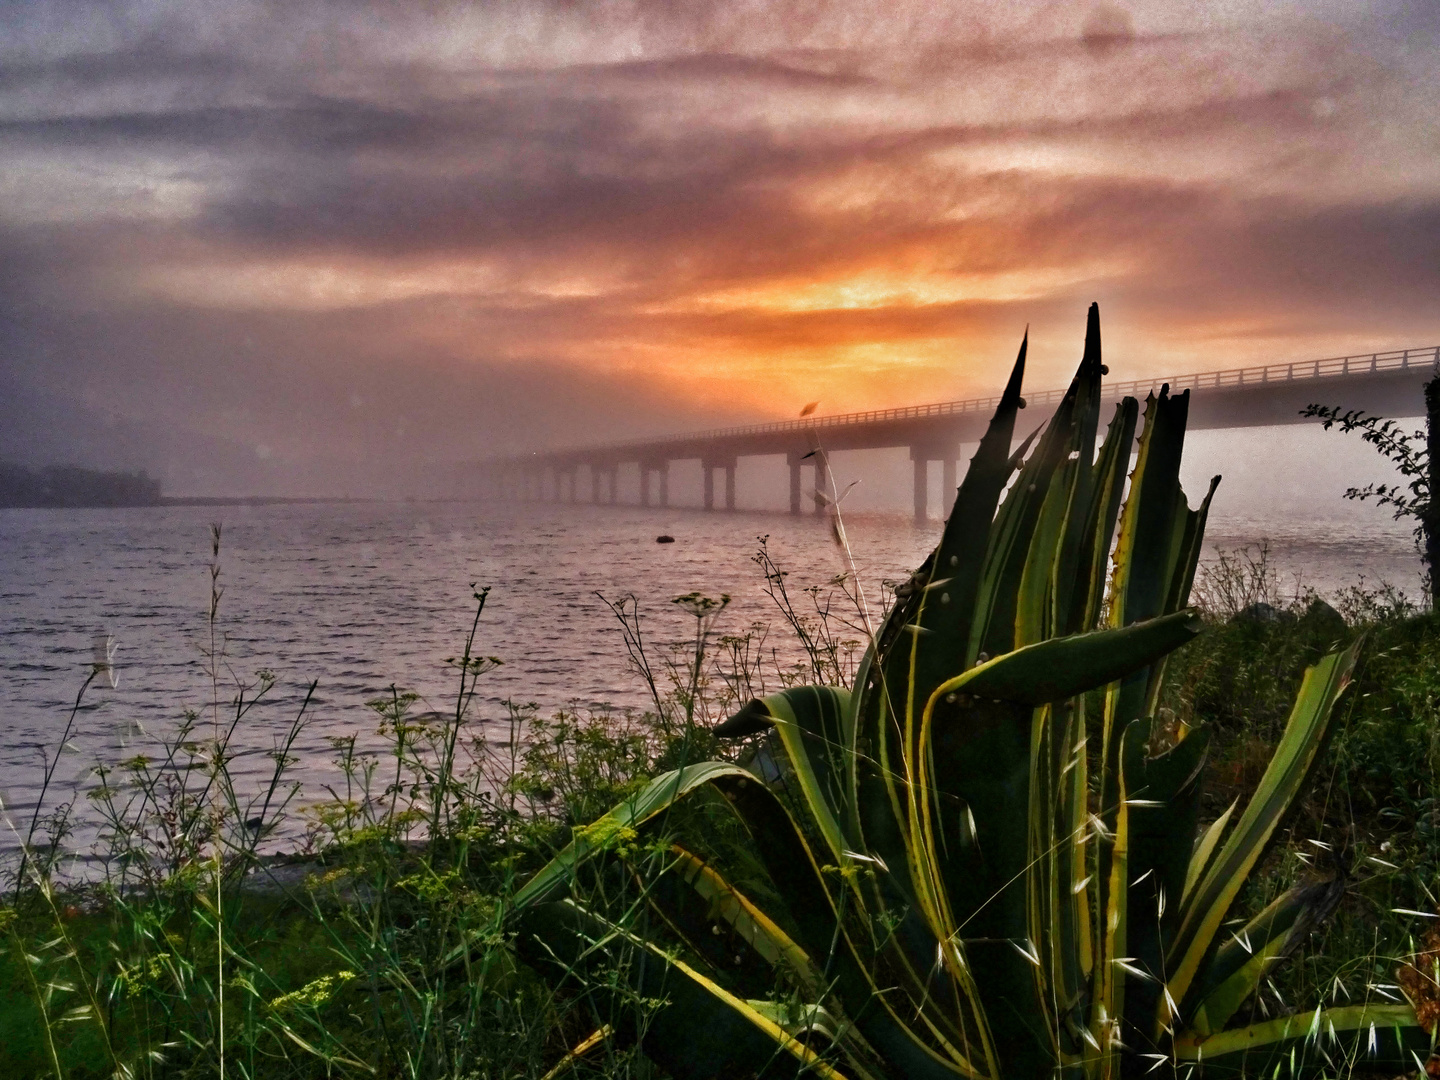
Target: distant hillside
70, 485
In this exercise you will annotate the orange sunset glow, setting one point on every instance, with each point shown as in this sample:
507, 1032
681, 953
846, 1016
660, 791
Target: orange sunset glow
356, 235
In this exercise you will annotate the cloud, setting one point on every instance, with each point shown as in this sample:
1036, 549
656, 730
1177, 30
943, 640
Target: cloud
647, 215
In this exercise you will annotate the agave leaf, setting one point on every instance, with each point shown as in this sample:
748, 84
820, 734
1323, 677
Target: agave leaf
900, 668
997, 614
1106, 496
697, 1029
929, 660
1151, 553
654, 798
1380, 1039
1191, 541
695, 900
1034, 601
916, 650
1072, 564
1256, 950
1295, 758
1153, 528
1058, 919
1064, 667
952, 1042
596, 1038
810, 721
1145, 558
1081, 567
875, 977
1057, 546
1113, 962
1205, 850
1163, 802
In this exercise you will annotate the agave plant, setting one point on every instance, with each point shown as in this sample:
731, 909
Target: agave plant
984, 859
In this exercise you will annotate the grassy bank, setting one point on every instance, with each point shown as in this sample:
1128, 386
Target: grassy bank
381, 947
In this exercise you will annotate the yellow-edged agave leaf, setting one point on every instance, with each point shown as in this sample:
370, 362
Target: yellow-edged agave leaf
998, 602
1254, 951
1209, 901
654, 798
695, 1029
948, 1039
1058, 917
1107, 489
724, 928
931, 624
951, 1043
1151, 554
810, 721
1071, 563
1063, 667
597, 1038
1162, 796
1047, 576
1205, 849
1367, 1039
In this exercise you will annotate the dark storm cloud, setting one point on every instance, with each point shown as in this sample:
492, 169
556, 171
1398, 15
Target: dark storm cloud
679, 212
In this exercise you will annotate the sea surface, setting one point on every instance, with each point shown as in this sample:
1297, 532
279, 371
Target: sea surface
359, 597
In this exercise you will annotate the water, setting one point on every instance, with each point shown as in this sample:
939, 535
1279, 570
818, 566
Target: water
362, 596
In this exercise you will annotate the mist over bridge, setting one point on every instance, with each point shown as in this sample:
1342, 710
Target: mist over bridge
1385, 383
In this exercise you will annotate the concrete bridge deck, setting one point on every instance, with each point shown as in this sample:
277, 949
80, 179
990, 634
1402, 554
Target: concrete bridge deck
1385, 383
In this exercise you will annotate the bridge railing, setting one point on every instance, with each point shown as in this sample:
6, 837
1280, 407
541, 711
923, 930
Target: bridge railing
1335, 366
1331, 367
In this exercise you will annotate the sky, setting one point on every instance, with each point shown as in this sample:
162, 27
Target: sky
325, 246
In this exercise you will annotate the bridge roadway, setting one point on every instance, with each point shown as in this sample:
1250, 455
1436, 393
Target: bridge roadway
1386, 383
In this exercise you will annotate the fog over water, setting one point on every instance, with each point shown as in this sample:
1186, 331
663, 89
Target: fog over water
362, 595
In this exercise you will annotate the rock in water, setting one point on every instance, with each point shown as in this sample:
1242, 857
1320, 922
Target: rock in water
664, 538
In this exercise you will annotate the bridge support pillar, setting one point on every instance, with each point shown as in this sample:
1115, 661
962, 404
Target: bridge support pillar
594, 485
708, 466
614, 483
661, 469
570, 477
947, 486
793, 460
922, 484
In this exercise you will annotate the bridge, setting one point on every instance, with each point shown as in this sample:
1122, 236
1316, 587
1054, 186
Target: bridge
1385, 383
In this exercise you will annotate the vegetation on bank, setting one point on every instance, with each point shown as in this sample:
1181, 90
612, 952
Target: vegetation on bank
549, 896
73, 486
340, 968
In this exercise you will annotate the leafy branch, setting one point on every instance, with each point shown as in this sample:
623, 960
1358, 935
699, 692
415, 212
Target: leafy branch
1407, 452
